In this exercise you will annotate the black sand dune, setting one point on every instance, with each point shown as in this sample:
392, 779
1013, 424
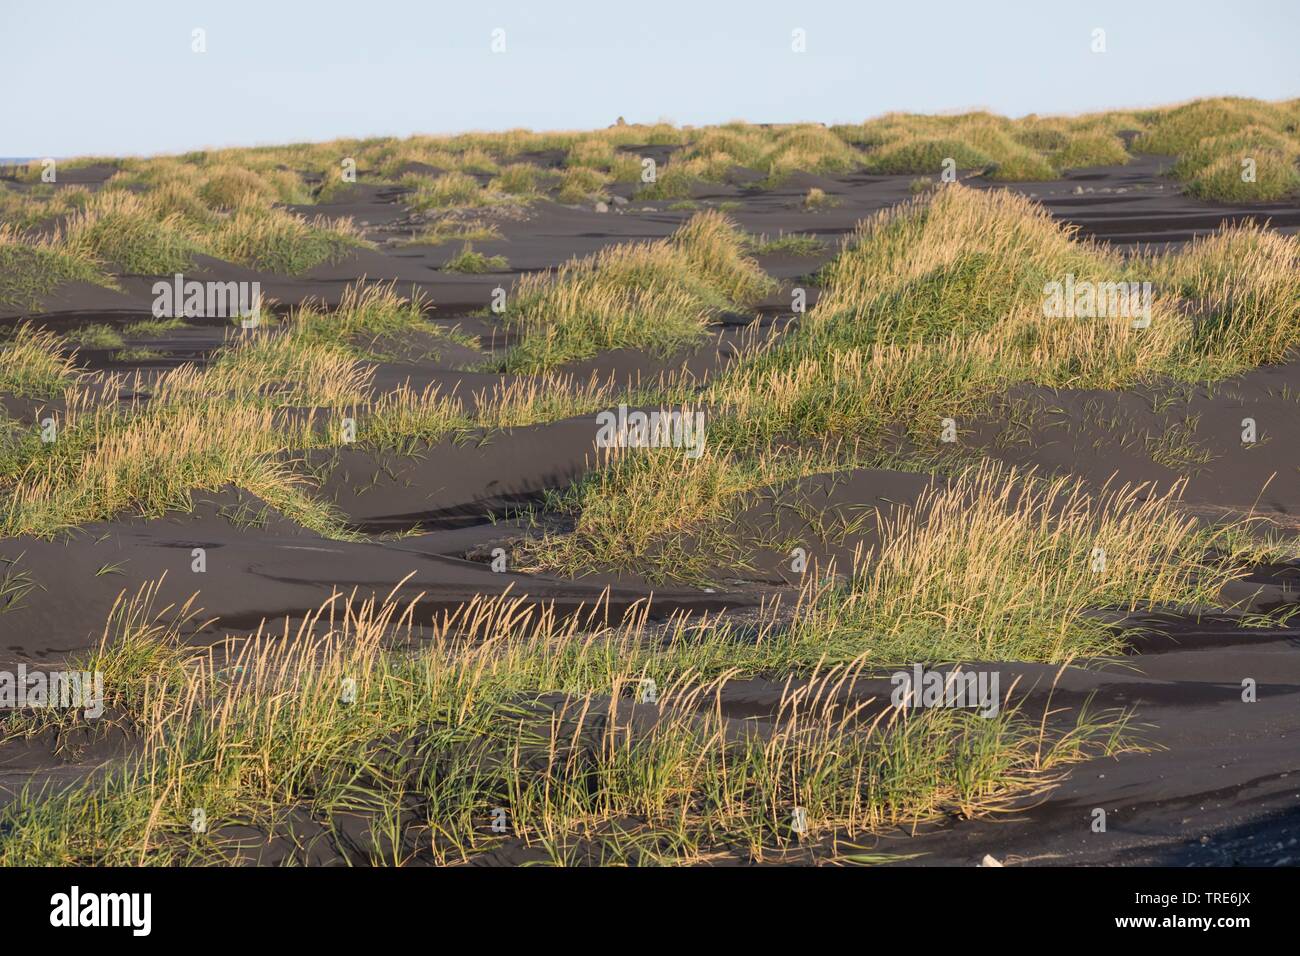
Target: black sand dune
1124, 204
267, 574
1163, 436
1136, 205
1221, 784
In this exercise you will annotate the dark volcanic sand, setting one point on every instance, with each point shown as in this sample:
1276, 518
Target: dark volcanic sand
1222, 784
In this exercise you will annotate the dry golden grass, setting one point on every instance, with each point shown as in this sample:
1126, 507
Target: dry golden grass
993, 566
931, 311
509, 705
33, 268
22, 209
159, 232
1244, 283
935, 307
405, 420
34, 363
266, 393
273, 240
451, 189
655, 295
147, 464
1209, 137
280, 369
188, 198
124, 229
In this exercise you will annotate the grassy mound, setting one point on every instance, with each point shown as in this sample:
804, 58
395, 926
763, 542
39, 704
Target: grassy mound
658, 296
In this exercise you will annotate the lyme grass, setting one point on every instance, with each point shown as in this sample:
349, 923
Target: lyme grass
124, 229
996, 567
34, 364
109, 462
930, 311
659, 296
276, 241
793, 244
508, 705
451, 189
472, 262
30, 271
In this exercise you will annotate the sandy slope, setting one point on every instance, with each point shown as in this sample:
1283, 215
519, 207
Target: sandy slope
1221, 788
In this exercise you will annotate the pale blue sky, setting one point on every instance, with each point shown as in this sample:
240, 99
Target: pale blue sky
90, 76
